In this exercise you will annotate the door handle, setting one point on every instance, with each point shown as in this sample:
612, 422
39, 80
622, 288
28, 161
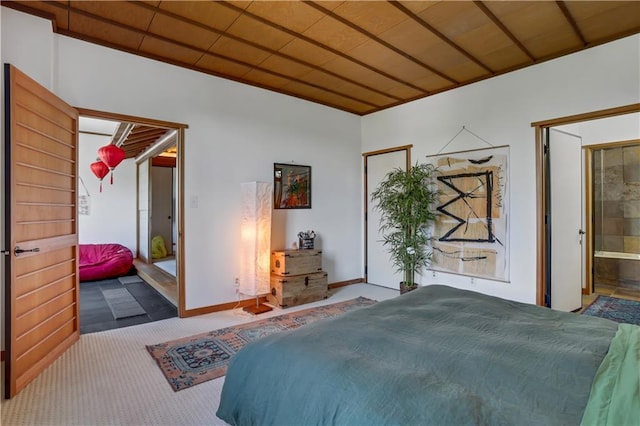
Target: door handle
18, 250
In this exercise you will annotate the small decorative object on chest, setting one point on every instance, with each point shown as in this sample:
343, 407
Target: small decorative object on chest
297, 277
305, 239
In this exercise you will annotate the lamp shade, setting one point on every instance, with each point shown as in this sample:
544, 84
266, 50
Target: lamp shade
255, 237
100, 170
111, 155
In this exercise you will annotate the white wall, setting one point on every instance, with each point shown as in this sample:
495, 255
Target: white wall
606, 130
611, 129
236, 133
501, 110
32, 51
112, 217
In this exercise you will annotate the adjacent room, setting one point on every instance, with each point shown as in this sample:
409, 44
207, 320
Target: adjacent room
119, 283
424, 212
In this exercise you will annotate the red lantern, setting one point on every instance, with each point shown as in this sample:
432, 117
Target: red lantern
100, 170
111, 155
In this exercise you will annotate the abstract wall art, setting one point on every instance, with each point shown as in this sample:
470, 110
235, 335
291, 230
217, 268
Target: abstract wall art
470, 233
291, 186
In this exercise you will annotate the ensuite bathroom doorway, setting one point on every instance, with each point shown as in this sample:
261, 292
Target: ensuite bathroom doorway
615, 189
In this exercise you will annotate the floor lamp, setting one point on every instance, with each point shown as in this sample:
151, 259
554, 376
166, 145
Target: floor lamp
257, 202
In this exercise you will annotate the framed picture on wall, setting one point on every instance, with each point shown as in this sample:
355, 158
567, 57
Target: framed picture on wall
291, 186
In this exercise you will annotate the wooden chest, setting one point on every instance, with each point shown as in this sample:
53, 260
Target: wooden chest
297, 277
296, 262
298, 289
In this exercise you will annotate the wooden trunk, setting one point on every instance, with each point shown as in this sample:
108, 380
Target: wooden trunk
296, 262
298, 289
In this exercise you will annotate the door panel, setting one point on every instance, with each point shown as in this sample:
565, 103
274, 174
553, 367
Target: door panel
162, 205
144, 201
41, 283
380, 269
565, 151
32, 318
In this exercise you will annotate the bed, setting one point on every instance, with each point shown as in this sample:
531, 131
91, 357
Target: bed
440, 355
102, 261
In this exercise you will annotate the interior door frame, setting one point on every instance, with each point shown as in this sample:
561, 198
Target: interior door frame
170, 203
589, 186
366, 156
552, 154
541, 187
180, 244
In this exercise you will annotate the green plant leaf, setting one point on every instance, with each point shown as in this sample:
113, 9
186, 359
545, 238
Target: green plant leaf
406, 201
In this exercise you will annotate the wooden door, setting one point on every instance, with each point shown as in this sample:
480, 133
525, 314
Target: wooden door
41, 242
162, 199
379, 268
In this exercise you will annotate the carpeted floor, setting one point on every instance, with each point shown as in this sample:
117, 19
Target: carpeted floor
613, 308
195, 359
97, 315
108, 378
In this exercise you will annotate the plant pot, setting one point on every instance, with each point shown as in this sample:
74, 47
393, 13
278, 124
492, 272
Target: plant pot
407, 287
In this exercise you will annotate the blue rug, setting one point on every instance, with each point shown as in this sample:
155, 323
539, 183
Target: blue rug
619, 310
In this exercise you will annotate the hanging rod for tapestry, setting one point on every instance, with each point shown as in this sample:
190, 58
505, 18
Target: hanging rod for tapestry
464, 129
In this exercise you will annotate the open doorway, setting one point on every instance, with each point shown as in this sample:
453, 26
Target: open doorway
596, 129
612, 182
377, 269
117, 212
162, 213
158, 210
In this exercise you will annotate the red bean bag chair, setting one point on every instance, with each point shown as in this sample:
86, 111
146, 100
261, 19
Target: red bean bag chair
102, 261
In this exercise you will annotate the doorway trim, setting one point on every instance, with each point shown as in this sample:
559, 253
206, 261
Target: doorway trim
366, 156
180, 244
541, 191
589, 177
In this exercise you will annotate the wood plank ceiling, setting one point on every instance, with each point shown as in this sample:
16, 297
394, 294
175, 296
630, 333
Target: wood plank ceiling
357, 56
135, 139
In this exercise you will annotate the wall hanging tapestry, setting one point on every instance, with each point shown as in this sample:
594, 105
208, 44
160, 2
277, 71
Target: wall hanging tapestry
470, 233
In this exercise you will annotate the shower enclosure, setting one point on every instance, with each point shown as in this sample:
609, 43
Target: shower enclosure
615, 171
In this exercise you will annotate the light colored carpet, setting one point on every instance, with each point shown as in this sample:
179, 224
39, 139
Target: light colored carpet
108, 378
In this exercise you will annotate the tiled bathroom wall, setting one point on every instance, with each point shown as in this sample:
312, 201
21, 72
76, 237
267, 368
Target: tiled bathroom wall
617, 214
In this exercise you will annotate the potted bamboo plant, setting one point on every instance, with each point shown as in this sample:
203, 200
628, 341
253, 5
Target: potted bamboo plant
405, 199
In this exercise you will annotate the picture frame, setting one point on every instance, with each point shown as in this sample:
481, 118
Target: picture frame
291, 186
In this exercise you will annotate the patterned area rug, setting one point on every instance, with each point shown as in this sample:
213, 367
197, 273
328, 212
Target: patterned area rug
192, 360
619, 310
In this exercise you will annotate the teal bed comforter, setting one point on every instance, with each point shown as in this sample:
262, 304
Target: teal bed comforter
437, 355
